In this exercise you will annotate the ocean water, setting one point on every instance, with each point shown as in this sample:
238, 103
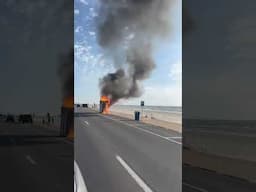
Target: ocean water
162, 109
165, 113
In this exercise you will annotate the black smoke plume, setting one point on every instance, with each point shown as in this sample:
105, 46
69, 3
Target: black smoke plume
188, 23
66, 73
127, 31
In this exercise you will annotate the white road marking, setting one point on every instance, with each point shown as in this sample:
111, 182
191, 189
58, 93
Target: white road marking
194, 187
32, 161
79, 184
174, 141
138, 180
147, 131
174, 137
86, 122
68, 142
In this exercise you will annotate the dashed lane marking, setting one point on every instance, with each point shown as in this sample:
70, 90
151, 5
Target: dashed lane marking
132, 173
32, 161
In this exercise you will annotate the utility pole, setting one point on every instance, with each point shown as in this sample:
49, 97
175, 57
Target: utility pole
142, 105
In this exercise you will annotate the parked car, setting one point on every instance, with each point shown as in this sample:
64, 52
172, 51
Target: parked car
25, 118
85, 105
2, 117
10, 118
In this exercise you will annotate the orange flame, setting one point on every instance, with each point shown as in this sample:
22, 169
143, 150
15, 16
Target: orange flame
68, 102
105, 100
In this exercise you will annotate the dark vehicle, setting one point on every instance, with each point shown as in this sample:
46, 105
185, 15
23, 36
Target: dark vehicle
10, 118
85, 105
77, 105
26, 118
2, 117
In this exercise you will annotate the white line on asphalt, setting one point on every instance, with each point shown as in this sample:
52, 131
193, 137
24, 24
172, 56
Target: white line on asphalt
86, 122
194, 187
79, 184
29, 158
150, 132
175, 137
174, 141
68, 142
138, 180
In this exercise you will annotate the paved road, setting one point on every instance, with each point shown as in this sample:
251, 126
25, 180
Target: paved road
120, 155
217, 137
201, 180
233, 139
34, 158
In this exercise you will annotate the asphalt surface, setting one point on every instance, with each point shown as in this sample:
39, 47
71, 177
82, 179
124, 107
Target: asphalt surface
235, 140
115, 154
202, 180
152, 153
34, 159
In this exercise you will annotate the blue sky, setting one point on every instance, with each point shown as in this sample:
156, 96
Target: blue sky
164, 85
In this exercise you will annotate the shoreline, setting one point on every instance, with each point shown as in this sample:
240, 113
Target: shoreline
175, 125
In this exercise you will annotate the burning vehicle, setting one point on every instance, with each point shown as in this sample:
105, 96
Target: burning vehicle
67, 118
25, 118
66, 72
104, 104
10, 118
85, 105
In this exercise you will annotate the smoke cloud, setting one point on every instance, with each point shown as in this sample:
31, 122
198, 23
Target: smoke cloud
66, 73
127, 31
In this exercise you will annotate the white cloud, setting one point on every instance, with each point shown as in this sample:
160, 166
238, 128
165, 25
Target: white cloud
130, 36
86, 61
92, 33
78, 29
84, 2
93, 12
158, 95
77, 11
176, 71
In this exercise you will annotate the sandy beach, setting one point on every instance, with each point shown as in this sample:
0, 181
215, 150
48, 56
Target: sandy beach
162, 119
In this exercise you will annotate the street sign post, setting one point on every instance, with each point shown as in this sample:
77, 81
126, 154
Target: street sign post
142, 105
